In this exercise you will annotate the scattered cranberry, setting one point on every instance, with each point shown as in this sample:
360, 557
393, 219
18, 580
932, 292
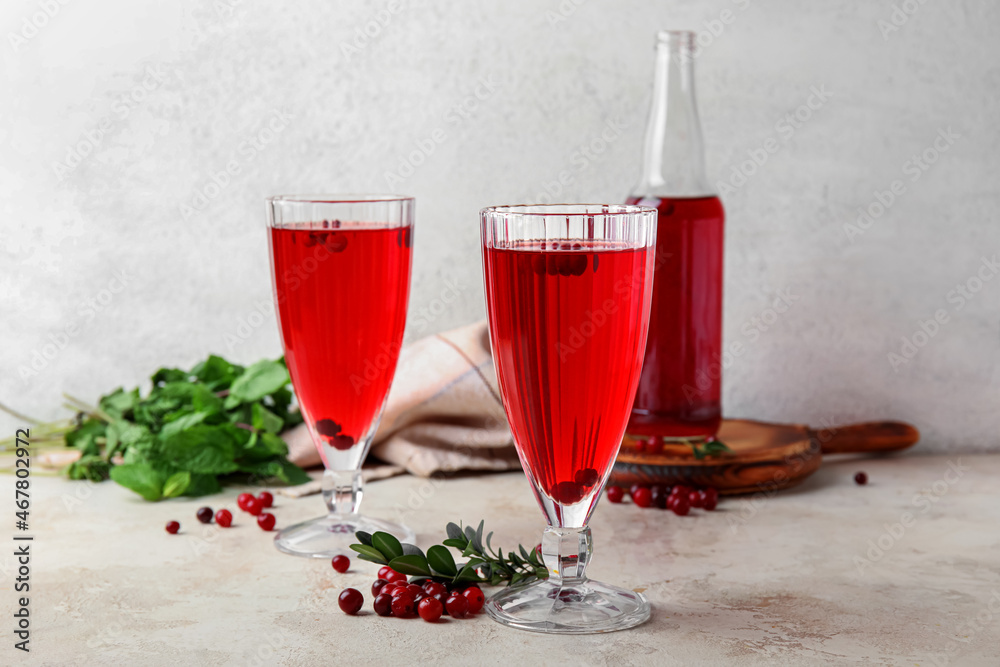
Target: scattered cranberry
475, 597
383, 572
457, 605
173, 527
265, 499
652, 446
383, 604
327, 427
414, 590
642, 497
394, 577
351, 600
694, 499
709, 498
435, 588
341, 442
681, 490
658, 496
204, 514
681, 506
224, 518
242, 500
402, 605
376, 587
266, 521
632, 489
861, 478
341, 563
615, 494
430, 609
253, 507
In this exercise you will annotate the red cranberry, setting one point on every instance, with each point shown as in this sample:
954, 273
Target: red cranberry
266, 521
435, 588
224, 518
568, 493
587, 477
402, 605
642, 497
173, 527
709, 498
475, 597
242, 500
457, 605
861, 478
265, 499
341, 442
395, 577
658, 496
681, 506
615, 494
681, 490
652, 445
376, 587
430, 609
694, 499
383, 572
341, 563
253, 507
351, 600
671, 501
204, 514
632, 489
327, 427
383, 604
414, 590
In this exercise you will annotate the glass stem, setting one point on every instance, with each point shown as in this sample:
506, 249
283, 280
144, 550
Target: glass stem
566, 552
342, 491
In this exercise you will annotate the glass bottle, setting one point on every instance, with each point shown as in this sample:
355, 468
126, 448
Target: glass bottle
679, 394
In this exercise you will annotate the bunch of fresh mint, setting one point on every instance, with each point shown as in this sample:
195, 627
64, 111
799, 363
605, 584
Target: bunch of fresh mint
193, 431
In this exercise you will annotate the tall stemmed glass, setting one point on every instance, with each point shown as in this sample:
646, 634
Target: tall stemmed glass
568, 291
341, 271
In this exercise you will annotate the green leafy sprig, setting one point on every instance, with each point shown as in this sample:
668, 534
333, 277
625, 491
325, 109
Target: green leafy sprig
193, 431
710, 448
484, 566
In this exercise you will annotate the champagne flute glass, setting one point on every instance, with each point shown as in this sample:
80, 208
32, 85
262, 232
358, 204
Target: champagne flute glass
568, 291
341, 271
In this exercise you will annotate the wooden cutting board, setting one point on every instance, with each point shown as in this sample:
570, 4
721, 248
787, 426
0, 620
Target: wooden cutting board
765, 457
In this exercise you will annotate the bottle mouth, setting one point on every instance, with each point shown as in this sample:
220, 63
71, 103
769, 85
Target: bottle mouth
676, 39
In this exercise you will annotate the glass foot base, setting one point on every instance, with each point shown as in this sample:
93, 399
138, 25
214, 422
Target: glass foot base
583, 607
331, 535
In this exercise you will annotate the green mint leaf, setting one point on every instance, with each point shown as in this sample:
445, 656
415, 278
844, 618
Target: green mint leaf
201, 449
119, 403
181, 423
216, 372
202, 485
413, 565
165, 375
141, 478
441, 561
176, 484
263, 419
84, 437
292, 474
370, 554
259, 380
387, 544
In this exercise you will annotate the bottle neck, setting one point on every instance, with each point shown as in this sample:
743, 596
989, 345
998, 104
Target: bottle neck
673, 162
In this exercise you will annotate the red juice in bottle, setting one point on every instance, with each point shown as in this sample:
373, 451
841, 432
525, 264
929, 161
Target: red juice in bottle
680, 389
342, 295
567, 324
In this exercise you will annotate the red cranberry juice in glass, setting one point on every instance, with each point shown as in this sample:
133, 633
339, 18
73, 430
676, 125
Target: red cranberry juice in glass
563, 316
680, 390
342, 296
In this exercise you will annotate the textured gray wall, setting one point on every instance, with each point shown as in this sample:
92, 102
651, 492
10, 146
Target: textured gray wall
490, 102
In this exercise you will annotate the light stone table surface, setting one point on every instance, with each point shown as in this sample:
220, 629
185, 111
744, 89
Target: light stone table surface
820, 574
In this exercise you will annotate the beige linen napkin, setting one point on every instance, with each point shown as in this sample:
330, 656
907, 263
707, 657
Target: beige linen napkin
443, 413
